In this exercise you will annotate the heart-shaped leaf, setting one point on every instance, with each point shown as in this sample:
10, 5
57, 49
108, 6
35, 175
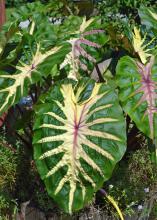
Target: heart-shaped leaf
79, 136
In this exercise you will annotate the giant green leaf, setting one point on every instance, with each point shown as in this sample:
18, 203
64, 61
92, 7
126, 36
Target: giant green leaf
138, 92
79, 136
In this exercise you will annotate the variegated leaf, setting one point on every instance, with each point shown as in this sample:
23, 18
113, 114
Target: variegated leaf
140, 46
138, 92
15, 86
73, 57
79, 136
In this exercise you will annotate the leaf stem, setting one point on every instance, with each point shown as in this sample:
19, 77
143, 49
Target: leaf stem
152, 146
101, 79
114, 203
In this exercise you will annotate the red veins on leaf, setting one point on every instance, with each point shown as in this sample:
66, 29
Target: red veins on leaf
148, 88
78, 50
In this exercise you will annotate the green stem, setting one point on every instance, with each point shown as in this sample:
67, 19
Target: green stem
152, 146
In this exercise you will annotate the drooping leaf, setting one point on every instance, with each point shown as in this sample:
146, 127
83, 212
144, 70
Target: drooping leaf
138, 92
15, 86
79, 136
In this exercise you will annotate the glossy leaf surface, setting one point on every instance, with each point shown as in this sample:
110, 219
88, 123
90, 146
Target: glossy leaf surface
79, 136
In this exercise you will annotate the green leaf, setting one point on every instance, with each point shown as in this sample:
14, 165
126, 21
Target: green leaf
79, 136
9, 31
83, 48
148, 18
15, 86
137, 91
27, 11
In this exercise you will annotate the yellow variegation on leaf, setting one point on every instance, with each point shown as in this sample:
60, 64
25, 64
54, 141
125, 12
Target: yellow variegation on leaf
15, 86
139, 46
84, 25
79, 137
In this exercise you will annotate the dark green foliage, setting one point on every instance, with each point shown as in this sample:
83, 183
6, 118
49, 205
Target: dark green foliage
114, 10
15, 3
28, 186
148, 20
8, 166
133, 180
18, 176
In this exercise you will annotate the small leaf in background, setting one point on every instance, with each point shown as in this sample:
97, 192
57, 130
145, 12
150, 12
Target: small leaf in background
140, 46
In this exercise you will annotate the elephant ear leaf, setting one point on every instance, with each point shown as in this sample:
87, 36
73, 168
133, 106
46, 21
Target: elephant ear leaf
72, 59
79, 136
138, 92
15, 86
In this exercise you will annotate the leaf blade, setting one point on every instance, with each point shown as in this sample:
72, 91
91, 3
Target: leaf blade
72, 143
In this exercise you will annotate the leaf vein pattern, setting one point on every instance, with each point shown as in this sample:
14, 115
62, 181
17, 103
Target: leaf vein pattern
76, 131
